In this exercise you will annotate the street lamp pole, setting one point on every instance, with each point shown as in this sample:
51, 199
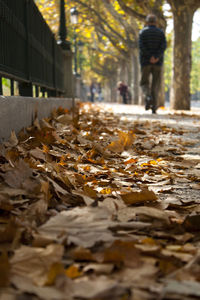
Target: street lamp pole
74, 21
67, 55
75, 53
62, 28
80, 48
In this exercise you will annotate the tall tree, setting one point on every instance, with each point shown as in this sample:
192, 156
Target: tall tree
183, 12
120, 30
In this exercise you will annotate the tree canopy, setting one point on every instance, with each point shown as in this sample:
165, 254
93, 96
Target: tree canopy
109, 30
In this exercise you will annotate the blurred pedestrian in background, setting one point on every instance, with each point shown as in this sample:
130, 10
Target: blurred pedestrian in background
152, 44
92, 91
123, 90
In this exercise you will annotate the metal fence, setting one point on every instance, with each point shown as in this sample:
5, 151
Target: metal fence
29, 53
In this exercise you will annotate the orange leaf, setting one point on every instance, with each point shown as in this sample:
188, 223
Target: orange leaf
139, 197
73, 272
130, 161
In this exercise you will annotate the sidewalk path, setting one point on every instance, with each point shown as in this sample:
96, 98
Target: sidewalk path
102, 204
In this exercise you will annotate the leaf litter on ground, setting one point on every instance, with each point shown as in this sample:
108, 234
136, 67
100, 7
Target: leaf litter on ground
97, 206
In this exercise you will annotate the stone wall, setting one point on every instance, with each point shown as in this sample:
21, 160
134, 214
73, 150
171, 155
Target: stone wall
19, 112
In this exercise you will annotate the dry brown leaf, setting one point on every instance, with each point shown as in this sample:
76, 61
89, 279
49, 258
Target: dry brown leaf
64, 119
121, 252
5, 203
25, 286
4, 270
13, 140
150, 213
38, 154
35, 263
124, 142
101, 288
9, 231
84, 227
139, 197
192, 222
89, 191
99, 268
16, 177
82, 254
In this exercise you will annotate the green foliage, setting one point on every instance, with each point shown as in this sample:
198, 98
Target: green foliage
195, 73
168, 62
6, 82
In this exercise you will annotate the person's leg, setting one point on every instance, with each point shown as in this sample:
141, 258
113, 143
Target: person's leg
145, 85
92, 97
124, 98
156, 75
144, 82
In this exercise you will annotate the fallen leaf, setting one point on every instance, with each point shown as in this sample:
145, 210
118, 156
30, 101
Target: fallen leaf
4, 270
139, 197
73, 272
35, 263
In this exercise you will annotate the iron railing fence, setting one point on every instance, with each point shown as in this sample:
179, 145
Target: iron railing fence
29, 53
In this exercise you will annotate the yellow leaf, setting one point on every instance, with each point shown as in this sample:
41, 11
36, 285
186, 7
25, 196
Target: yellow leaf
45, 149
55, 270
106, 191
153, 162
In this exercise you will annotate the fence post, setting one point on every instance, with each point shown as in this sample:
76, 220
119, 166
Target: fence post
25, 88
68, 55
68, 75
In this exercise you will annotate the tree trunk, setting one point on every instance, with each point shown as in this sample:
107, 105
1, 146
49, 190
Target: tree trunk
123, 73
136, 75
180, 92
161, 94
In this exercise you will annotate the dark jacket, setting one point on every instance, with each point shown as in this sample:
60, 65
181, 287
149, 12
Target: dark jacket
152, 42
123, 89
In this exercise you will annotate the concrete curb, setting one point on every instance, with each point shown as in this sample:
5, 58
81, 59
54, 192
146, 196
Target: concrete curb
19, 112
